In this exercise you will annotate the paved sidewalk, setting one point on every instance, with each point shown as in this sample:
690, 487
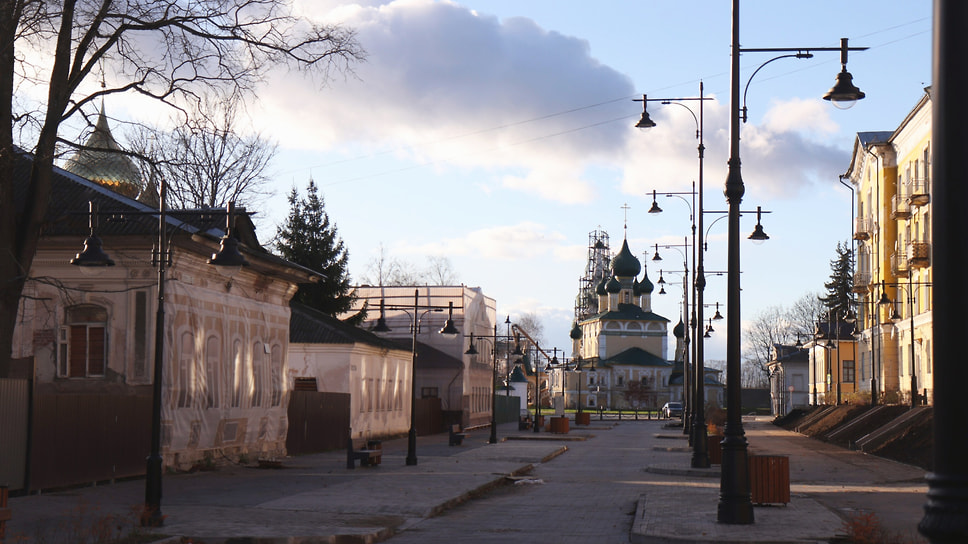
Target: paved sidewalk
828, 485
315, 498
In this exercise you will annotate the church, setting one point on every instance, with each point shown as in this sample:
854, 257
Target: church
622, 343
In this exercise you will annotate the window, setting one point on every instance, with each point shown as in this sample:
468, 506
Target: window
276, 375
83, 349
620, 380
212, 372
184, 375
235, 374
258, 373
429, 392
848, 372
140, 363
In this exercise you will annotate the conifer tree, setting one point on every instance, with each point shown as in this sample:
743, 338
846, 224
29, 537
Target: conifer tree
309, 239
841, 284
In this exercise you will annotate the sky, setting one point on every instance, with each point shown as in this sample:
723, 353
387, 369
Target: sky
499, 133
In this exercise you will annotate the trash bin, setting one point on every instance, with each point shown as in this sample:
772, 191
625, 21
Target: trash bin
769, 479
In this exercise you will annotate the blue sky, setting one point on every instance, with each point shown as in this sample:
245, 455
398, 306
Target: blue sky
500, 133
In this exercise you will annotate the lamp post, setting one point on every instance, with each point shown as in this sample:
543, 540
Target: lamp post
449, 330
688, 373
472, 350
228, 257
700, 455
735, 506
944, 519
537, 373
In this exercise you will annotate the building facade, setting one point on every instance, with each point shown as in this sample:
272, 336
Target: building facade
465, 388
891, 175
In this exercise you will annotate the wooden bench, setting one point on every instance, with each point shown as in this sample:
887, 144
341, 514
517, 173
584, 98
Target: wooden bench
455, 436
369, 453
5, 514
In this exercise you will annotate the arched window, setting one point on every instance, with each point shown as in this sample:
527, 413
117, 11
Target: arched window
213, 374
83, 351
184, 373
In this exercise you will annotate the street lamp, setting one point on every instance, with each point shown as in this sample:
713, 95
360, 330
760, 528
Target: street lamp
688, 373
537, 373
472, 350
227, 257
735, 506
448, 331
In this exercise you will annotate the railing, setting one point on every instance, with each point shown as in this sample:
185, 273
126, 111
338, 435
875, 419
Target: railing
862, 228
862, 281
919, 192
899, 264
900, 207
919, 254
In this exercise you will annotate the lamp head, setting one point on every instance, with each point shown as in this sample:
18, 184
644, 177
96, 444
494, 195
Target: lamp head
449, 330
645, 122
228, 259
655, 204
92, 255
844, 94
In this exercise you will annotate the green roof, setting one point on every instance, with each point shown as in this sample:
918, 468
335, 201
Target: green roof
636, 357
627, 312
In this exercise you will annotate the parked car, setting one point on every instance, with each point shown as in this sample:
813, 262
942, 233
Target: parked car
672, 409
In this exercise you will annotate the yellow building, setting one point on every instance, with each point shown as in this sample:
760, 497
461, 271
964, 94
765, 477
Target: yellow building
891, 174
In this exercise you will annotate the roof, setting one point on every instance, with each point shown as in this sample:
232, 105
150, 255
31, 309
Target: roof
310, 326
428, 357
867, 139
628, 312
119, 215
636, 357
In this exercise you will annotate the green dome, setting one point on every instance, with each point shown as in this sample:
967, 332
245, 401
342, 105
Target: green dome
614, 286
600, 290
625, 265
680, 330
645, 286
575, 332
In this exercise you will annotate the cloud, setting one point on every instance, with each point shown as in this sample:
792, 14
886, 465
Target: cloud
444, 84
781, 158
509, 242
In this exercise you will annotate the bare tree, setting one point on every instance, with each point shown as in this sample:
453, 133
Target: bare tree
172, 51
531, 323
768, 328
385, 270
440, 271
804, 314
204, 161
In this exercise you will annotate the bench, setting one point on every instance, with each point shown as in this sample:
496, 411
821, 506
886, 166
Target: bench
456, 437
369, 453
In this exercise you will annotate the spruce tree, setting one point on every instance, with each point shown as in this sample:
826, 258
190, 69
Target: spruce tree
841, 284
309, 239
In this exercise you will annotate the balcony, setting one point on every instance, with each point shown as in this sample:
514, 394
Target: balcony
900, 207
899, 264
862, 281
919, 192
862, 228
919, 254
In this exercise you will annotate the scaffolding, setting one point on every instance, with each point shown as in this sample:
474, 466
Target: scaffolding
598, 267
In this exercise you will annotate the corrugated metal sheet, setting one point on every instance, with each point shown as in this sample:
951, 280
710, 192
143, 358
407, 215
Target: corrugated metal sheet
14, 396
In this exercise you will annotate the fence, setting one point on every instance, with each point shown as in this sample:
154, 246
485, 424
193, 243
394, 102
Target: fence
82, 438
317, 421
14, 399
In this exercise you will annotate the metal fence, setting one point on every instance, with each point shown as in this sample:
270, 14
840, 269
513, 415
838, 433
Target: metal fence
83, 438
318, 421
